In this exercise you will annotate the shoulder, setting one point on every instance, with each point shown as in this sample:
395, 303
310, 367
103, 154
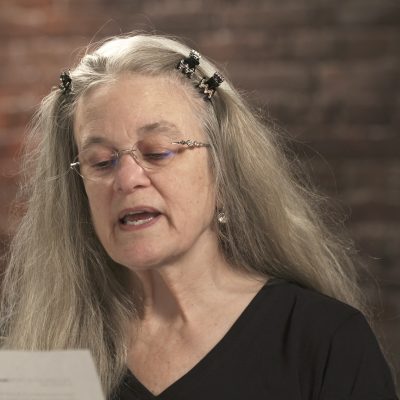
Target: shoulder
329, 341
308, 307
310, 319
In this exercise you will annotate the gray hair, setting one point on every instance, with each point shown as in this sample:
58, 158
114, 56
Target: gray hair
61, 290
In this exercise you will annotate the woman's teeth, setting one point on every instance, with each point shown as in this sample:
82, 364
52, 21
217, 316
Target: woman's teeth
139, 218
138, 222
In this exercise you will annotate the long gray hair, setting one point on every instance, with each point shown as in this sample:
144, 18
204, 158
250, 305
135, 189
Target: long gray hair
61, 290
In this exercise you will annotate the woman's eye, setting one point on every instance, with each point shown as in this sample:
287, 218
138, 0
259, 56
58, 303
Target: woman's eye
109, 163
158, 156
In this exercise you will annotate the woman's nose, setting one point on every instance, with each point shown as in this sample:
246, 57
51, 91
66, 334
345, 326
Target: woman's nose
128, 174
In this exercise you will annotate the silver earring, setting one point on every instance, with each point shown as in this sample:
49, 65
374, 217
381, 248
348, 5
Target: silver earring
222, 218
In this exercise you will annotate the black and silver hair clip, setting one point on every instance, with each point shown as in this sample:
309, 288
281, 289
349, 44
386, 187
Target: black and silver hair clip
210, 85
66, 82
188, 65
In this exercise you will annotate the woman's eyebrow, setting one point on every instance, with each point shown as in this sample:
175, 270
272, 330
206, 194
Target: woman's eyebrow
91, 140
158, 126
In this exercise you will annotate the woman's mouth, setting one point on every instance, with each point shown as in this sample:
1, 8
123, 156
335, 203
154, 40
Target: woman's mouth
138, 218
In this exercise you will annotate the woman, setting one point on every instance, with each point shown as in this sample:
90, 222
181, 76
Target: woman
165, 231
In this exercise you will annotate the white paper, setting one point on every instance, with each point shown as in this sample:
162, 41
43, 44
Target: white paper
50, 375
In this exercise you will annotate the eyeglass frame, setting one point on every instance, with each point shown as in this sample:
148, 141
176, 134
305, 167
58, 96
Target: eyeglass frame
119, 153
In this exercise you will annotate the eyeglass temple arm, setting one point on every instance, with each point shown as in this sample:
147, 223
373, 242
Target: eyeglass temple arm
191, 143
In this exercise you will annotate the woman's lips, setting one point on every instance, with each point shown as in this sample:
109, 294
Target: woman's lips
138, 218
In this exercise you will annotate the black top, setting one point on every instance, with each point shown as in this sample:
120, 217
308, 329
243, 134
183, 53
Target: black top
289, 343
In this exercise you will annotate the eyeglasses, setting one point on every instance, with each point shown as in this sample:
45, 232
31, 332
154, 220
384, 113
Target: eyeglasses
99, 162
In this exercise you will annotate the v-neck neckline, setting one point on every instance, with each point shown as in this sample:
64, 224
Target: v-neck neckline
191, 377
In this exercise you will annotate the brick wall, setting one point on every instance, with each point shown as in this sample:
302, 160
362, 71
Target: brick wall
327, 71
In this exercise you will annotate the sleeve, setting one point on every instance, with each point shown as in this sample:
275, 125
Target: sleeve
356, 368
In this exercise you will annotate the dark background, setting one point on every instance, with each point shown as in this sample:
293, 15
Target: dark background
325, 71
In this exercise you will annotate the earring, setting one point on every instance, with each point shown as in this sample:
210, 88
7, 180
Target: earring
222, 218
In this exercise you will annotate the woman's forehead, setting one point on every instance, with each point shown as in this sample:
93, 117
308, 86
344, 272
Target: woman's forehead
136, 105
138, 94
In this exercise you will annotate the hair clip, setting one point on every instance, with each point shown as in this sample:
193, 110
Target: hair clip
210, 85
66, 82
188, 65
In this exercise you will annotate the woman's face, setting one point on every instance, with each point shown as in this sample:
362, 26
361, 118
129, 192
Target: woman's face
148, 218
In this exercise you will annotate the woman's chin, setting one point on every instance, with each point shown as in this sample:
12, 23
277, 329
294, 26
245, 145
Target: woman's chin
140, 260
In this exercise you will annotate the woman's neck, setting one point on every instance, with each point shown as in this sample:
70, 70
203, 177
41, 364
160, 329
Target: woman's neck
184, 291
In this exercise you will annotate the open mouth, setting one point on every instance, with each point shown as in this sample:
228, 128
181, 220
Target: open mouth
136, 218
